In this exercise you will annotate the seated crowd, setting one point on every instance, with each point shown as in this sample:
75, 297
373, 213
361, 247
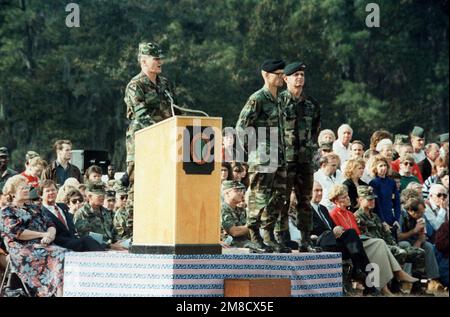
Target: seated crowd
386, 205
48, 210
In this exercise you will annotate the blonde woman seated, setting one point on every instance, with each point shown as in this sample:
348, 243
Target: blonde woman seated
354, 170
29, 236
377, 250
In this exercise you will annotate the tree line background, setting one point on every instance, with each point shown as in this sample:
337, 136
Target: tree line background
59, 82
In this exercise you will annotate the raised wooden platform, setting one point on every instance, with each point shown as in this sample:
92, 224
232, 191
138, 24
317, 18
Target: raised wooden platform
114, 274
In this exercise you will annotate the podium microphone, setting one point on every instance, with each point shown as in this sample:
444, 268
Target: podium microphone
173, 105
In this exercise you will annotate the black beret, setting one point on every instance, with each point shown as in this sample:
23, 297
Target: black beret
294, 67
272, 65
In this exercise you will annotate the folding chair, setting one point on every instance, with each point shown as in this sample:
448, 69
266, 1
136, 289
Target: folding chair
12, 285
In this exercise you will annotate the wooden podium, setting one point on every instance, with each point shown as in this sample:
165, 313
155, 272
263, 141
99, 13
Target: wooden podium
177, 187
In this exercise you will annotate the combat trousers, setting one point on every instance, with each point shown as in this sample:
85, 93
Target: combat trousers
300, 178
409, 254
267, 199
431, 266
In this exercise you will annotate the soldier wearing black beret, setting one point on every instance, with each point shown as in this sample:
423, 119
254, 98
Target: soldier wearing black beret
267, 191
301, 123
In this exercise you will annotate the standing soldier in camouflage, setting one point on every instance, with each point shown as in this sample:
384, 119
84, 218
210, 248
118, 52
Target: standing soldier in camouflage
370, 225
147, 97
267, 190
92, 217
301, 122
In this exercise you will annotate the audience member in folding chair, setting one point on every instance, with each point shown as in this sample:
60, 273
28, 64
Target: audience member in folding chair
28, 236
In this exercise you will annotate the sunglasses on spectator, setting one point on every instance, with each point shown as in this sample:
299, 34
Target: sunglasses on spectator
123, 197
442, 195
408, 163
76, 200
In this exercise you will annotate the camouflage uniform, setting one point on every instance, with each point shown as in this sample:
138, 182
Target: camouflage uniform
98, 220
301, 121
87, 219
111, 183
372, 226
123, 223
233, 217
147, 104
123, 220
267, 191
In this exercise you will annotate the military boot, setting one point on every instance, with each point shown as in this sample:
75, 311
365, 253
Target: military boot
306, 244
269, 239
284, 237
257, 244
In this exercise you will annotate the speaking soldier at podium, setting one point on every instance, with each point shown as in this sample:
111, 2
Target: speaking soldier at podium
148, 97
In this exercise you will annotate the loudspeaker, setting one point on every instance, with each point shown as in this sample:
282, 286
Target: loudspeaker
83, 159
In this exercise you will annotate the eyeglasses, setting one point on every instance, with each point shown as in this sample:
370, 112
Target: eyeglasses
278, 74
442, 195
124, 197
76, 201
408, 164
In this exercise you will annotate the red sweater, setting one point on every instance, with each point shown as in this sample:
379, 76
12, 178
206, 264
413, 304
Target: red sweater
395, 165
344, 218
31, 180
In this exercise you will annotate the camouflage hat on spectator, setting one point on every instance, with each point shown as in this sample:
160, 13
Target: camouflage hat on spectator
232, 184
97, 188
418, 132
33, 194
150, 49
327, 147
401, 139
366, 192
120, 189
443, 138
110, 194
30, 155
4, 151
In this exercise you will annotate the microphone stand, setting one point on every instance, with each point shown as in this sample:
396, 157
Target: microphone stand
173, 105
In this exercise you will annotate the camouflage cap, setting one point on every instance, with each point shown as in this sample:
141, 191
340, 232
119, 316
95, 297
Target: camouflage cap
232, 184
97, 188
4, 151
366, 192
327, 146
418, 132
33, 194
401, 139
110, 194
443, 138
30, 155
120, 189
150, 49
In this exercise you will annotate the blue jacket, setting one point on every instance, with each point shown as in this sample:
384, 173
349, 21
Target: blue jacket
387, 205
